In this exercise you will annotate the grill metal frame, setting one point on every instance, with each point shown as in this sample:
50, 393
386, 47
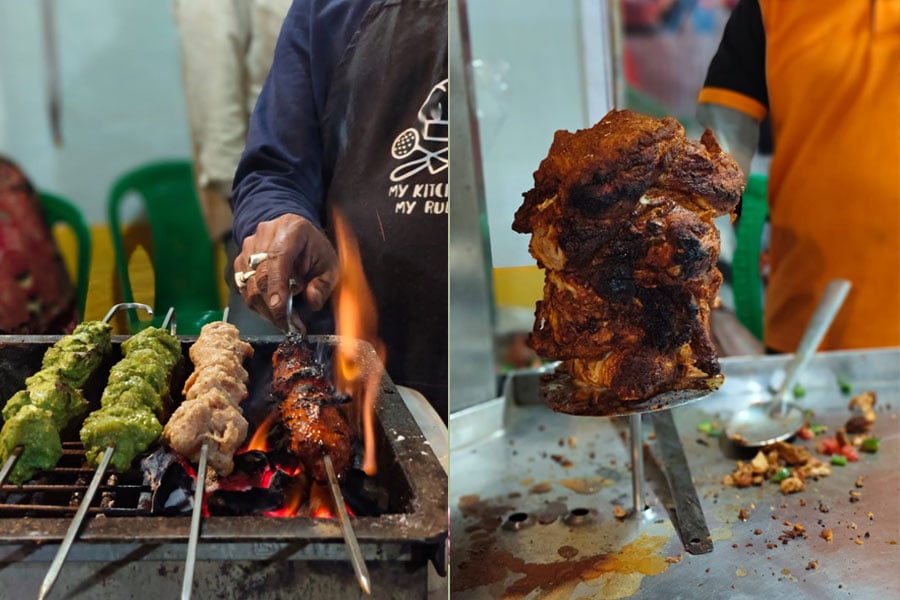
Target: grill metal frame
417, 530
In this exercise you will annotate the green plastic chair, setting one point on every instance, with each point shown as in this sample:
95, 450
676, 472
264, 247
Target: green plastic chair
59, 210
746, 281
182, 254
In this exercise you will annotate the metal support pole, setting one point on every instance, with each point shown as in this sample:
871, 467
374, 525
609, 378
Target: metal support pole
637, 462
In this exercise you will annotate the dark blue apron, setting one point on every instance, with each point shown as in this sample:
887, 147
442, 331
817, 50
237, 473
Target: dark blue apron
385, 140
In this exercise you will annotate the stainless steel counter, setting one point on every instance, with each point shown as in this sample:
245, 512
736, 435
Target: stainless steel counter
532, 496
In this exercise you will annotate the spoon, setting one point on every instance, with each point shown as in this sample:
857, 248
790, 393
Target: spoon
779, 418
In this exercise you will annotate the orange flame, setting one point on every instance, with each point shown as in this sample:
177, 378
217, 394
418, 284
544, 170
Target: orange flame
292, 501
293, 495
319, 502
260, 439
357, 319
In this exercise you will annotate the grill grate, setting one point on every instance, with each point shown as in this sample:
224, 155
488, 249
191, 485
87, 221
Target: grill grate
59, 491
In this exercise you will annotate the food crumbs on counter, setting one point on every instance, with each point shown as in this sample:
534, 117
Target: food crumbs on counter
619, 512
859, 541
562, 460
823, 508
859, 481
871, 515
572, 442
827, 535
855, 497
674, 560
757, 531
743, 515
741, 572
844, 384
540, 488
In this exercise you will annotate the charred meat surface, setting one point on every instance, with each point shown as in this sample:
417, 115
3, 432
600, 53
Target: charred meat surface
621, 217
213, 393
310, 409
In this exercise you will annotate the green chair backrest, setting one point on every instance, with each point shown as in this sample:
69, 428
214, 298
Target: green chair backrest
746, 281
182, 254
60, 210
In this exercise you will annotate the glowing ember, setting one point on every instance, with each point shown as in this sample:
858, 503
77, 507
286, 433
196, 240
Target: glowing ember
320, 502
293, 500
356, 319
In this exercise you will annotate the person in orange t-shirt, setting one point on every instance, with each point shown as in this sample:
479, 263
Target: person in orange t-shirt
827, 73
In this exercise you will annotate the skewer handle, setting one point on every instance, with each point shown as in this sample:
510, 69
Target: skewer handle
196, 513
66, 545
359, 565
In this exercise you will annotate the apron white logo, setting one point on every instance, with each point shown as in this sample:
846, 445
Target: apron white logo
428, 149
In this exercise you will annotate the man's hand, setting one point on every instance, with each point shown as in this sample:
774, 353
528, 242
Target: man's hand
296, 249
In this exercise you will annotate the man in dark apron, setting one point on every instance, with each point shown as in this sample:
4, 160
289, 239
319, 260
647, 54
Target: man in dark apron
353, 118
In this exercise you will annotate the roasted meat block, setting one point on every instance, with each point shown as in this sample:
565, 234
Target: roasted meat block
621, 217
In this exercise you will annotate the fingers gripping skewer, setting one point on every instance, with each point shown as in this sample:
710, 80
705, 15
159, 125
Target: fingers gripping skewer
75, 526
359, 565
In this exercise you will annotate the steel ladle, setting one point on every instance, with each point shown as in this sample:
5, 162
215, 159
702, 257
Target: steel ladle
779, 418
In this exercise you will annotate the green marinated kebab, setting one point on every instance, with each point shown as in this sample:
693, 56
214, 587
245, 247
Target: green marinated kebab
134, 401
52, 397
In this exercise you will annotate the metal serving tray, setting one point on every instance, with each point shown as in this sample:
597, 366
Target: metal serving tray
532, 494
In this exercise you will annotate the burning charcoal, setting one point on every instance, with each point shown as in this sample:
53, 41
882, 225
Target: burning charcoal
364, 495
254, 501
171, 482
252, 463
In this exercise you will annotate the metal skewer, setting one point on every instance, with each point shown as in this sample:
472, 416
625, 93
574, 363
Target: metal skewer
10, 462
190, 560
66, 545
359, 565
196, 514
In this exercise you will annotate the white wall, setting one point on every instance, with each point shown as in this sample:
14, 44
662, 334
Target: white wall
535, 48
121, 92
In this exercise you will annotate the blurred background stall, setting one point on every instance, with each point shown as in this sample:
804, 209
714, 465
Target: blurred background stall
111, 69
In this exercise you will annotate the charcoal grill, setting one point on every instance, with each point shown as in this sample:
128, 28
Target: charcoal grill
123, 551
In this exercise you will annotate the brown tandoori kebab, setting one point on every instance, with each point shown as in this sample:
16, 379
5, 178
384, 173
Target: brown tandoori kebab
621, 217
310, 409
